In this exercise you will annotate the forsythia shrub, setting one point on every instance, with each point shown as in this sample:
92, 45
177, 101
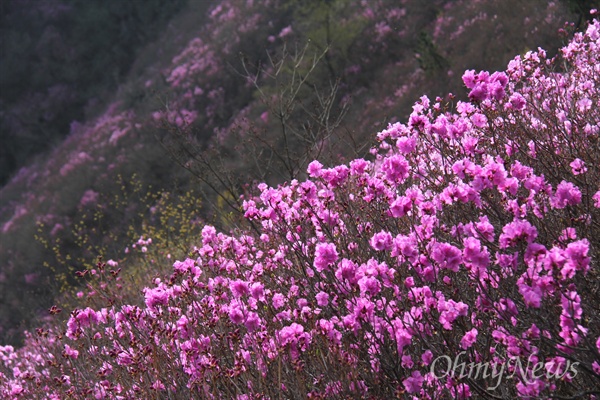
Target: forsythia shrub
461, 261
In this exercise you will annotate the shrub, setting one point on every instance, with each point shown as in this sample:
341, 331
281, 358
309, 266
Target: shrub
371, 48
463, 253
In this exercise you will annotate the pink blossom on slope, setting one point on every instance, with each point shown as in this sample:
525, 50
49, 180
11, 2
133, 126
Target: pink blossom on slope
322, 299
566, 194
325, 255
314, 169
578, 167
468, 339
401, 206
596, 198
447, 256
396, 168
414, 383
155, 297
376, 297
531, 295
381, 241
515, 231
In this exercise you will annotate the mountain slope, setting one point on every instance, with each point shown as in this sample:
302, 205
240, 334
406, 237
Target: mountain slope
376, 58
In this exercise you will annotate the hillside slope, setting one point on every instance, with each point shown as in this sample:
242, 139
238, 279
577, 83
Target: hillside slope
457, 259
190, 101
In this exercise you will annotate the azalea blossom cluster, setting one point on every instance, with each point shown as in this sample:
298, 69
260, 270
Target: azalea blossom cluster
472, 230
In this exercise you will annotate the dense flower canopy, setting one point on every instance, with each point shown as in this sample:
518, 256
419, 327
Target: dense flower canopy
469, 238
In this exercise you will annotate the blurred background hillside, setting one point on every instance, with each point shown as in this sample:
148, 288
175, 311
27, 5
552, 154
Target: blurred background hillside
61, 60
127, 118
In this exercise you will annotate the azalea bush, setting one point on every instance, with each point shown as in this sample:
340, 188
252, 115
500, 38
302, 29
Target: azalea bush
459, 260
377, 58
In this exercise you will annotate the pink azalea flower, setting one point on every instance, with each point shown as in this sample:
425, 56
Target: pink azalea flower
314, 169
596, 198
427, 357
396, 168
407, 361
155, 297
515, 231
447, 256
252, 322
414, 383
322, 299
468, 339
239, 288
401, 206
236, 315
531, 295
578, 167
566, 194
517, 101
325, 255
278, 300
381, 241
